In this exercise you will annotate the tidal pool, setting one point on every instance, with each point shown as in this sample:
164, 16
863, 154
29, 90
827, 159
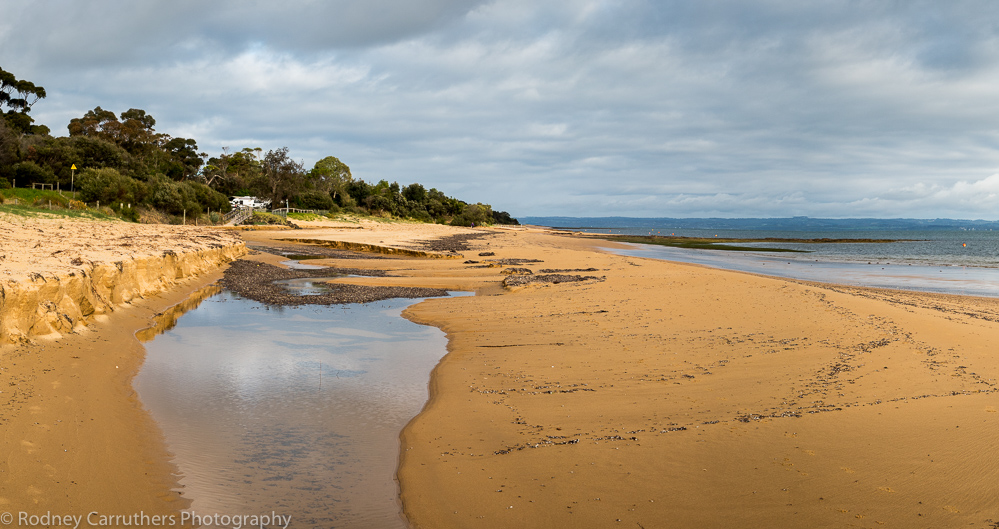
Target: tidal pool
295, 410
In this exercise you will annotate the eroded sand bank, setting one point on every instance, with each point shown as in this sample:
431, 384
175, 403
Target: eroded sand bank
74, 437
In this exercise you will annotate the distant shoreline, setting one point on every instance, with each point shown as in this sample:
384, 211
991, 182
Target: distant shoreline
724, 243
751, 223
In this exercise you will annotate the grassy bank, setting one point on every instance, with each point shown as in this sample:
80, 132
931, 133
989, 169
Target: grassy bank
38, 203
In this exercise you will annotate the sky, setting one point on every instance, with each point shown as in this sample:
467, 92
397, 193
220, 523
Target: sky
699, 108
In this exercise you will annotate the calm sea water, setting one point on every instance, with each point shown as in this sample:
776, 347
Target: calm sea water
953, 261
292, 410
973, 248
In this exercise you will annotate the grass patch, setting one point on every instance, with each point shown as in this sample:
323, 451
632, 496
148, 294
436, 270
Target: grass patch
260, 218
35, 203
305, 216
33, 196
356, 218
19, 210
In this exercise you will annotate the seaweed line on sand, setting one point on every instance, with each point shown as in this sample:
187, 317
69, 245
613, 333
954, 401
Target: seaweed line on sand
521, 280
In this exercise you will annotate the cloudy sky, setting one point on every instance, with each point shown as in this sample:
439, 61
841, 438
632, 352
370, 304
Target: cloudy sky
740, 108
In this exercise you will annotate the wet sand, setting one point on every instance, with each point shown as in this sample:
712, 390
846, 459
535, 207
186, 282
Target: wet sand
73, 437
674, 395
658, 395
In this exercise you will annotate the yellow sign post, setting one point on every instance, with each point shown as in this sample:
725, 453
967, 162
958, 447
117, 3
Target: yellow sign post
72, 180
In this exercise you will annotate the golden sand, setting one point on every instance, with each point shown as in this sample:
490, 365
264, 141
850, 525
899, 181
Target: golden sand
673, 395
664, 395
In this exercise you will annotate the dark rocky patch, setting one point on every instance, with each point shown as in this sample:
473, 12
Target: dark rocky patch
516, 271
486, 254
514, 262
255, 281
561, 270
516, 281
316, 251
451, 243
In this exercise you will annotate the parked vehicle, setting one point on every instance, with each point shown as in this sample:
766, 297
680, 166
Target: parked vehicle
253, 202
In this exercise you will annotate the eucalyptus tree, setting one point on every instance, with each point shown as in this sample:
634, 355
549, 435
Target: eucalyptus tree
18, 96
330, 175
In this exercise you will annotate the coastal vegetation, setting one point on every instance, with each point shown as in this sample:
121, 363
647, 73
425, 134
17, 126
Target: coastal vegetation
120, 161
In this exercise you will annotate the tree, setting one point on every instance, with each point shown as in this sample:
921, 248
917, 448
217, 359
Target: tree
96, 123
137, 133
217, 168
235, 173
282, 174
415, 193
185, 158
134, 132
330, 175
8, 149
477, 214
18, 96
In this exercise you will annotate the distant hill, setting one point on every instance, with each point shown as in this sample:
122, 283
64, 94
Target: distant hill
790, 223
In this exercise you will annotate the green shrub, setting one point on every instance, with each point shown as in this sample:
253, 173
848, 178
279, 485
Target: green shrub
261, 218
208, 197
30, 172
477, 214
315, 200
421, 215
107, 186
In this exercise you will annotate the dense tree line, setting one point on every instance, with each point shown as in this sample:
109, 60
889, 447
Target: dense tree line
122, 160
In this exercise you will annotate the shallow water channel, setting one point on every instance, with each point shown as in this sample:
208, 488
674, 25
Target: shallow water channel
295, 410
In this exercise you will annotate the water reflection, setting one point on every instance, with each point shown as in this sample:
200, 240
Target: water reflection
296, 411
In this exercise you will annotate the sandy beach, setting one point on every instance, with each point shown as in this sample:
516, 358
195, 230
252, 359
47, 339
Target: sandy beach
645, 394
75, 439
674, 395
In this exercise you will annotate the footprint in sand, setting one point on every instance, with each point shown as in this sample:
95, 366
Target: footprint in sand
35, 492
28, 446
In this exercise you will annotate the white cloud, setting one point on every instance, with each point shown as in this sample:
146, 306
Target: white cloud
624, 107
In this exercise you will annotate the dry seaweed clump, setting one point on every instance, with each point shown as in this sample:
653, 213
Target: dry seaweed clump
517, 271
256, 281
521, 280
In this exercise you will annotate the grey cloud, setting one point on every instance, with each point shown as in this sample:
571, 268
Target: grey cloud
616, 107
117, 32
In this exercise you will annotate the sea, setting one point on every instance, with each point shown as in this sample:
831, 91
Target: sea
940, 255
